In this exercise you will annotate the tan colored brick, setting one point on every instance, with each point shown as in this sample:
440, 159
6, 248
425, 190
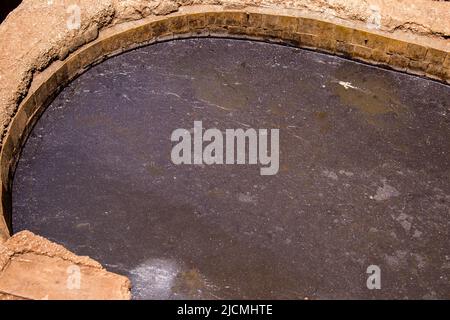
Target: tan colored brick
237, 19
436, 70
415, 51
272, 34
62, 76
326, 44
446, 62
90, 54
380, 56
237, 30
36, 269
399, 61
279, 23
210, 18
360, 38
288, 36
255, 32
307, 40
29, 106
160, 28
254, 20
217, 30
418, 65
343, 34
308, 26
197, 21
144, 33
45, 91
287, 23
396, 47
326, 30
109, 45
73, 63
362, 52
446, 73
435, 56
179, 24
270, 22
17, 128
345, 48
230, 19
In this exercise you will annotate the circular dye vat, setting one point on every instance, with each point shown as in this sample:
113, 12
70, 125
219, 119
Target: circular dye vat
363, 175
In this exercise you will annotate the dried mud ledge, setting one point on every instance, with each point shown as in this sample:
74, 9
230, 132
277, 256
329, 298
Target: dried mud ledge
426, 55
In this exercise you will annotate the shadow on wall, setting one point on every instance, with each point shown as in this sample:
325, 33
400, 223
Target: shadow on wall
6, 7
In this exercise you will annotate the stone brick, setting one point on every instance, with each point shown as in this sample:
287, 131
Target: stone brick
254, 20
255, 32
17, 127
196, 21
345, 48
111, 44
380, 56
287, 23
4, 233
399, 61
360, 38
237, 30
62, 75
161, 29
90, 54
396, 47
215, 30
343, 34
435, 56
29, 105
370, 40
418, 65
307, 40
446, 73
415, 51
179, 24
279, 23
236, 19
436, 70
220, 19
326, 44
362, 52
376, 41
4, 297
45, 91
446, 62
270, 22
308, 26
7, 154
290, 37
325, 30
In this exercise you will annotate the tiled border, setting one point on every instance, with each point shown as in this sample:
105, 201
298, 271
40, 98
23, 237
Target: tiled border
268, 25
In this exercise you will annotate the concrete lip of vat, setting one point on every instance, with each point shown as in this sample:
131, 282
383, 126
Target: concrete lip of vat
363, 175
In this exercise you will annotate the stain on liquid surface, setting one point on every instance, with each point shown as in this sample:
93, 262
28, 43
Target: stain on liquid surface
363, 180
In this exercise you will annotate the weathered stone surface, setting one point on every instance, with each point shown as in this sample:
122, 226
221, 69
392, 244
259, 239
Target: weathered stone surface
32, 267
412, 38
